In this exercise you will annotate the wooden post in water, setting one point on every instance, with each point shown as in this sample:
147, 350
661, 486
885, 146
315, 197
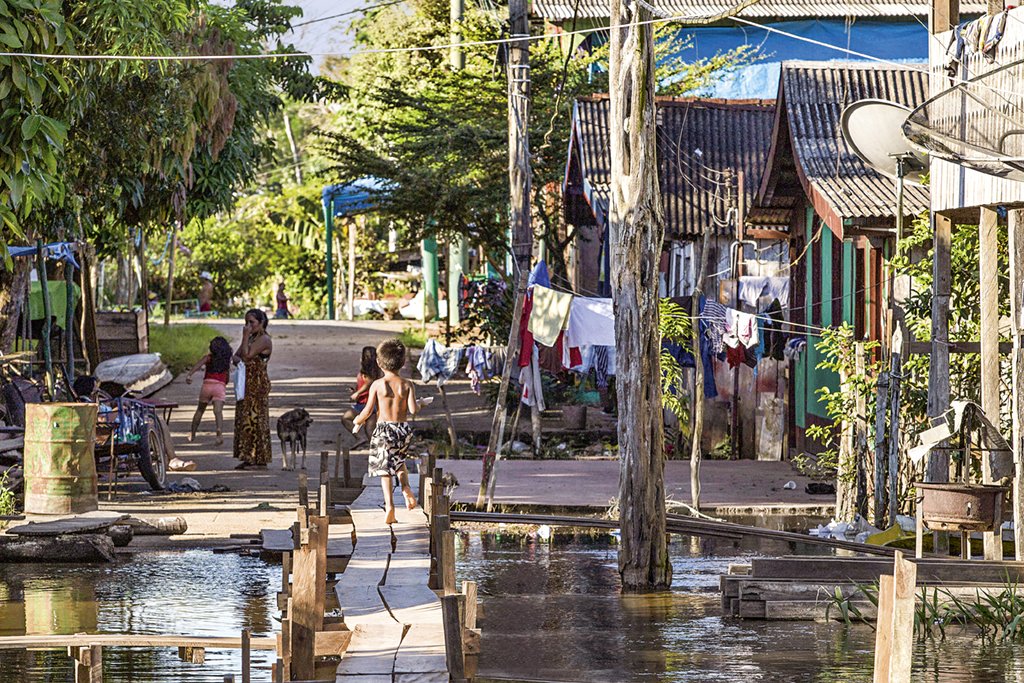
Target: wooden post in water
454, 654
88, 663
246, 656
307, 609
894, 635
69, 319
447, 563
945, 15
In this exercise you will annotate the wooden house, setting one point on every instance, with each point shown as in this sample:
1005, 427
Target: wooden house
838, 215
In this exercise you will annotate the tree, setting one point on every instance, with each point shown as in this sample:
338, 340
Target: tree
107, 149
637, 232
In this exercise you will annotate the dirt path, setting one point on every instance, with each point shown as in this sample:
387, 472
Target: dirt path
313, 367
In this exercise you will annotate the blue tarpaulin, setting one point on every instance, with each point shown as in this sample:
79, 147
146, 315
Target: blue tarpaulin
56, 251
347, 199
888, 40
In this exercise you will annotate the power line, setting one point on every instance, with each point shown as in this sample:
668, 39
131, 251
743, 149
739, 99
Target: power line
358, 10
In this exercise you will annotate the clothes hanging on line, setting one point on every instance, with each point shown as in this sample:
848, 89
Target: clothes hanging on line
795, 347
548, 314
753, 287
712, 317
774, 337
530, 381
740, 329
438, 362
591, 323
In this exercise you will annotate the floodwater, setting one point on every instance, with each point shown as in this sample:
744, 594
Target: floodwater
553, 611
197, 593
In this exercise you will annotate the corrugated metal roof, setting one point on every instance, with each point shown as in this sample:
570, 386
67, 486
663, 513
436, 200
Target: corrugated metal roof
812, 96
697, 139
562, 10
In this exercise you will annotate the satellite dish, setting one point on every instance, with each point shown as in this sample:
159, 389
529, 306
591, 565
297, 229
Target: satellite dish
873, 129
975, 124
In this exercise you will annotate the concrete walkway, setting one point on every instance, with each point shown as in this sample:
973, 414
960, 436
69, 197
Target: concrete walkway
314, 366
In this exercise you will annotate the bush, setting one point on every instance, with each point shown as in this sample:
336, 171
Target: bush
181, 346
413, 337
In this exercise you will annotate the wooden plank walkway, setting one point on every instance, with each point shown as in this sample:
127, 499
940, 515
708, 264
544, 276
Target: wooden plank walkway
397, 631
128, 640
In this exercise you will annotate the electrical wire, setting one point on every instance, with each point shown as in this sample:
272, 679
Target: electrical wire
358, 10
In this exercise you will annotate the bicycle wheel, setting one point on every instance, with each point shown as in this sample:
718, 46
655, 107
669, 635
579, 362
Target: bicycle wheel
152, 457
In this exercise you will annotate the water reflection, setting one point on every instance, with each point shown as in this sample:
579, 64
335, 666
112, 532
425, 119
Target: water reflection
553, 612
194, 593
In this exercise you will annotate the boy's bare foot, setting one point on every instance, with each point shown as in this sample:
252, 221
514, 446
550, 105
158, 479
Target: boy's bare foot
410, 500
390, 518
191, 437
219, 441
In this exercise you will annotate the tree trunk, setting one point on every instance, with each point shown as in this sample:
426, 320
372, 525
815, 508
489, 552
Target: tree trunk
636, 239
12, 301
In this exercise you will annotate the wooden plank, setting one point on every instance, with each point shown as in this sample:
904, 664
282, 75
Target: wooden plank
410, 605
883, 635
902, 638
814, 610
422, 651
331, 643
860, 570
88, 522
363, 606
372, 650
280, 541
452, 619
59, 642
407, 569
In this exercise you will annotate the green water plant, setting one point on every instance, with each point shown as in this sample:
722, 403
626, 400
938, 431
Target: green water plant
994, 614
7, 503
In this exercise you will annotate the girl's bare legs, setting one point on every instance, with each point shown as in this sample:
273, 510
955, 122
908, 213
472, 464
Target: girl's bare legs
198, 418
410, 497
218, 413
388, 485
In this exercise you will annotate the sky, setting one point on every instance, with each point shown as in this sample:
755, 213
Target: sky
322, 36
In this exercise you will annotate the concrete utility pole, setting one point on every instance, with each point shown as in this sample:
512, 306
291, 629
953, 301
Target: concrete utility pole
458, 254
636, 234
521, 227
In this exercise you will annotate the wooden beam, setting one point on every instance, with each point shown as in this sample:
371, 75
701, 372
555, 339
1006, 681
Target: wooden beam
937, 468
1016, 239
119, 640
766, 234
988, 268
945, 15
88, 663
925, 348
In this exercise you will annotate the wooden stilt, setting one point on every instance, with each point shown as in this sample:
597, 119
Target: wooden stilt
246, 656
988, 268
447, 564
1016, 239
454, 653
88, 663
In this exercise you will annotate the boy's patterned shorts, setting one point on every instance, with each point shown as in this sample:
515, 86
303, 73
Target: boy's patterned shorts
389, 447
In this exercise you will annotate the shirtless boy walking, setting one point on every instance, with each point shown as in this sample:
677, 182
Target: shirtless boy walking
394, 399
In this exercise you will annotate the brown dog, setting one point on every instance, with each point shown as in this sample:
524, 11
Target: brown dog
291, 430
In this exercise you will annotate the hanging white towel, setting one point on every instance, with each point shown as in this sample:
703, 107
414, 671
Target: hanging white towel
740, 328
547, 317
239, 381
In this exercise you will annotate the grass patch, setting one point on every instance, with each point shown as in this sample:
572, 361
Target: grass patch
181, 346
413, 337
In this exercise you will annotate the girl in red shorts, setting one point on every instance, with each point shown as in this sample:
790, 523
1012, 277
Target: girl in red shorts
217, 363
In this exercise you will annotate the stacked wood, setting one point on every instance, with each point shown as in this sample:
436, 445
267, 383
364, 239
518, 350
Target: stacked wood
806, 588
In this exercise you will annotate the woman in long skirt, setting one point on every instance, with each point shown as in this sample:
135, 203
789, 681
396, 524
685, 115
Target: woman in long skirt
252, 413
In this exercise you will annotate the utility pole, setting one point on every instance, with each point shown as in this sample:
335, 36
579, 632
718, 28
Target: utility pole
521, 228
458, 254
296, 157
636, 236
170, 275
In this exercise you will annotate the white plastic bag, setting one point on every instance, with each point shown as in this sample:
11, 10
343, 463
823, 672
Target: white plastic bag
240, 381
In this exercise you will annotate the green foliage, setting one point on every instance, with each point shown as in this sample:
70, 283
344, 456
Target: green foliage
914, 259
413, 337
840, 356
674, 324
181, 345
438, 136
7, 499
